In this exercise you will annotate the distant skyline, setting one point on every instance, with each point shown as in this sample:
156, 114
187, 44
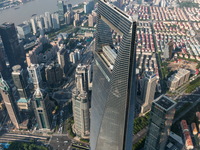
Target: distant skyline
37, 7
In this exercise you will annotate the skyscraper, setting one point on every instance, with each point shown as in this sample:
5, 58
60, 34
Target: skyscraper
80, 102
14, 51
81, 113
3, 68
161, 117
42, 109
24, 30
63, 57
54, 74
113, 94
48, 16
55, 21
148, 87
90, 20
68, 17
40, 24
35, 75
20, 78
34, 26
88, 7
82, 77
61, 10
8, 98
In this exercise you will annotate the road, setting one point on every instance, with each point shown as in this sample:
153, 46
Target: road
9, 137
60, 142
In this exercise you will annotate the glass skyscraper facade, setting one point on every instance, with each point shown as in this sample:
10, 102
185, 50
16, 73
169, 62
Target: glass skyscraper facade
161, 118
13, 49
113, 93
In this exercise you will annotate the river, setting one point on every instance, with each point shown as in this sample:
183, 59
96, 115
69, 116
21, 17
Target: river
26, 10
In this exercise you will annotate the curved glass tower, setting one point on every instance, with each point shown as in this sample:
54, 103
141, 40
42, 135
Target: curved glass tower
113, 93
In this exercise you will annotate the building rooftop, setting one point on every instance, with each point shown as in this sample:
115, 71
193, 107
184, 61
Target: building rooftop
6, 25
22, 25
164, 102
23, 100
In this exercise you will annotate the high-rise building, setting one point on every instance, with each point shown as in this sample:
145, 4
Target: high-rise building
9, 101
161, 118
24, 30
54, 74
68, 17
148, 88
72, 57
69, 7
35, 75
55, 21
14, 51
46, 24
80, 102
90, 20
3, 68
34, 26
81, 113
88, 7
113, 91
48, 16
82, 77
63, 57
40, 24
20, 78
77, 16
61, 10
42, 109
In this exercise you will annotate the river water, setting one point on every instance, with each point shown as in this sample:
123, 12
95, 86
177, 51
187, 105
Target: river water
26, 10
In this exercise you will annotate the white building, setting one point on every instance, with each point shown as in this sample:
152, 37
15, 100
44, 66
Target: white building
33, 25
35, 75
24, 30
148, 88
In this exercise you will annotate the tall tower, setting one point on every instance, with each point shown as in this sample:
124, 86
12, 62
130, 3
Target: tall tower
148, 87
35, 75
63, 58
82, 77
33, 25
55, 21
42, 109
48, 15
14, 51
61, 10
81, 113
80, 102
161, 117
113, 91
20, 78
8, 98
3, 68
